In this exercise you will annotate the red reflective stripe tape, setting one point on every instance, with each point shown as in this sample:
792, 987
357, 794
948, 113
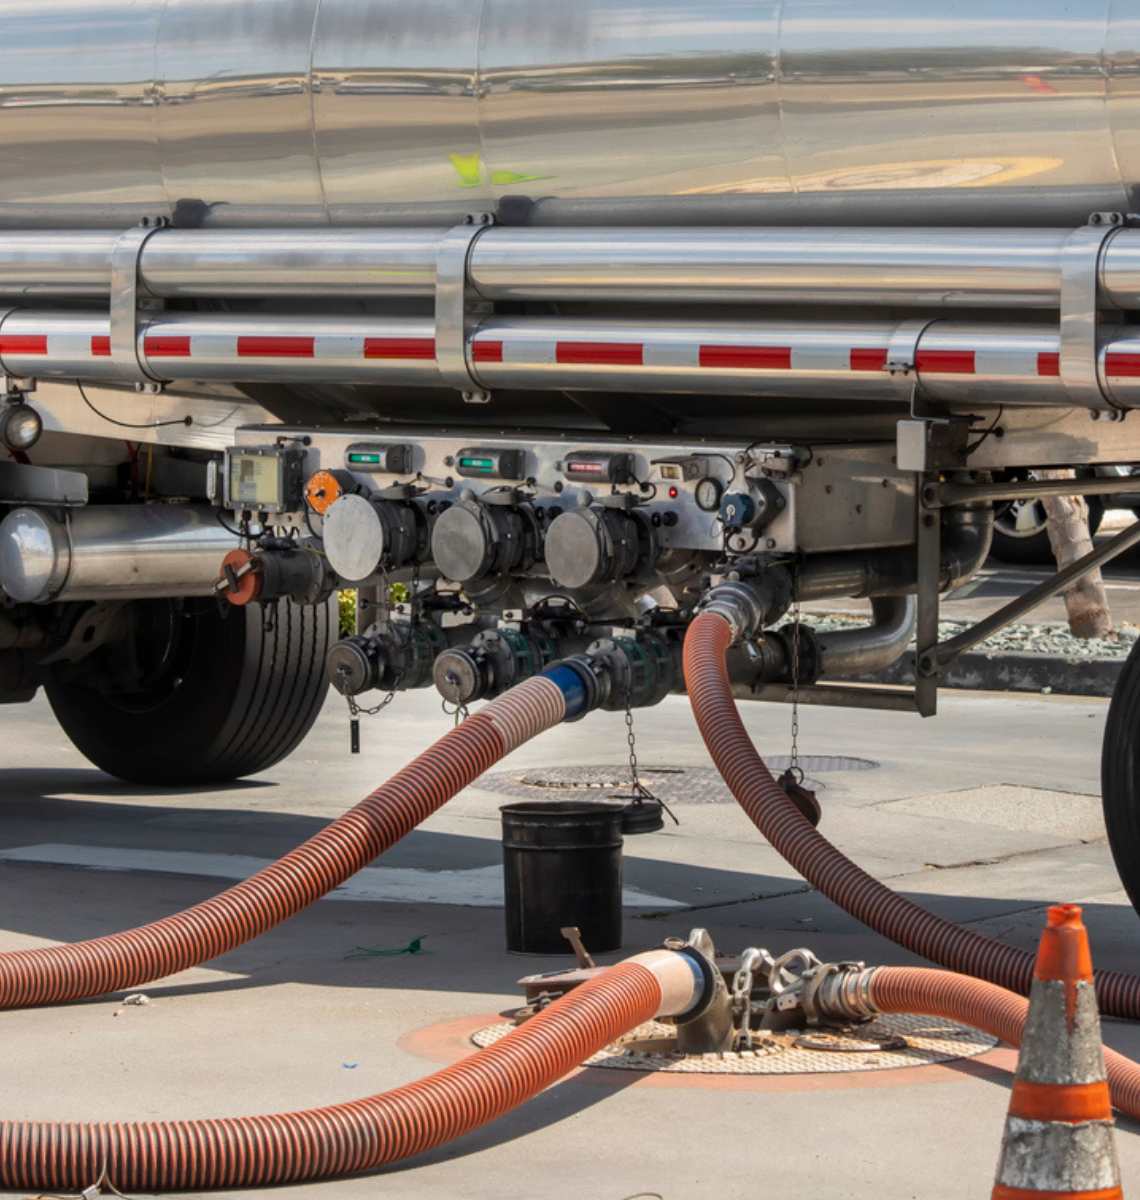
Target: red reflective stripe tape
487, 351
23, 343
1049, 364
275, 347
945, 362
869, 358
101, 347
777, 358
606, 354
1122, 364
375, 347
166, 347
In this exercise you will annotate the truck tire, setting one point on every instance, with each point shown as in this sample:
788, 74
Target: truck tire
1032, 547
233, 694
1120, 776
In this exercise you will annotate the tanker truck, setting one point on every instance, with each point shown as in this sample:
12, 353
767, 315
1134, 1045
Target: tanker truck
563, 317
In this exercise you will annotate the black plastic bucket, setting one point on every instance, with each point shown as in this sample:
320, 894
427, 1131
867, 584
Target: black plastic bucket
562, 866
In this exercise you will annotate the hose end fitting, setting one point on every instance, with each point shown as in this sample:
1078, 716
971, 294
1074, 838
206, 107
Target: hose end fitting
841, 992
748, 605
688, 980
580, 684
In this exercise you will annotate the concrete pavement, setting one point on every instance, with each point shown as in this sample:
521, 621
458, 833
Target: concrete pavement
986, 814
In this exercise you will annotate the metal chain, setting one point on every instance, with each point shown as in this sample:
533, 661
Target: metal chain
460, 713
631, 739
641, 793
354, 709
794, 765
752, 960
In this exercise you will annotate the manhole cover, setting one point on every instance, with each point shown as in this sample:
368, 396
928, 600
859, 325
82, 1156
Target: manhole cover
674, 785
887, 1043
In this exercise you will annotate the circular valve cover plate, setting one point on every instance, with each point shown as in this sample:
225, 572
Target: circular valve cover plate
353, 538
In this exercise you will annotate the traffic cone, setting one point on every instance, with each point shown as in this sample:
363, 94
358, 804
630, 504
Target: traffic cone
1058, 1135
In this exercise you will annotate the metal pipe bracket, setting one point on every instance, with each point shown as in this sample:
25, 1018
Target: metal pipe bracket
454, 307
126, 255
1081, 259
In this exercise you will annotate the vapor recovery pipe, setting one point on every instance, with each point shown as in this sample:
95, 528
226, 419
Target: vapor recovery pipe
847, 652
364, 1134
725, 620
936, 267
955, 362
54, 974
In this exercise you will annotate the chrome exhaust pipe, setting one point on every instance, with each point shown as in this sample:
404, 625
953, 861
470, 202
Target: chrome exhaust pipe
111, 552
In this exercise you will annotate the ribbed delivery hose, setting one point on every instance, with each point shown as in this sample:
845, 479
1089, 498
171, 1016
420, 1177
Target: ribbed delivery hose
984, 1006
825, 867
54, 974
361, 1135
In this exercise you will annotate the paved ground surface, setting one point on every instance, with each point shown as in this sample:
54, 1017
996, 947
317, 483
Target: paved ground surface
986, 814
997, 583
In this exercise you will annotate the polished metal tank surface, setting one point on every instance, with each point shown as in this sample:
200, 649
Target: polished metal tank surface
287, 112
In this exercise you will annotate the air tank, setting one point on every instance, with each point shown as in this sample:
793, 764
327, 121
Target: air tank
355, 112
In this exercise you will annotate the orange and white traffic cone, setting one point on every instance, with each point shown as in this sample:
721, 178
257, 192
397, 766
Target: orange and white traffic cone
1058, 1135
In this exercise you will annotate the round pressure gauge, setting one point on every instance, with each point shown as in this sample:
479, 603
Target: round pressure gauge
708, 494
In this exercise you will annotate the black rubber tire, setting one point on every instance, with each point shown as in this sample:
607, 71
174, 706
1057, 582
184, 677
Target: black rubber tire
1120, 776
1036, 550
244, 696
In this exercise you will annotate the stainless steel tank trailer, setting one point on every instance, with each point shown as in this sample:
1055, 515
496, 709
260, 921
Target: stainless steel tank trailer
611, 333
561, 316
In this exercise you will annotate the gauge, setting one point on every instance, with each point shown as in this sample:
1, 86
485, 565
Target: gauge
708, 493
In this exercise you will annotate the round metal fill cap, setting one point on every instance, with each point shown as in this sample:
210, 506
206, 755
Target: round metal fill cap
354, 538
461, 543
34, 555
575, 554
457, 677
349, 667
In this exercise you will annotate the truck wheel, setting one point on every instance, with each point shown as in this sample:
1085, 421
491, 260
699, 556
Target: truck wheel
1020, 535
214, 694
1120, 776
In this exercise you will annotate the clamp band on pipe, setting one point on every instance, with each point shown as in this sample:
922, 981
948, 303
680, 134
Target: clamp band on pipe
1081, 259
453, 310
126, 255
5, 313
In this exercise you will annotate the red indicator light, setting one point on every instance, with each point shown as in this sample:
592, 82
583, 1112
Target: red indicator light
674, 493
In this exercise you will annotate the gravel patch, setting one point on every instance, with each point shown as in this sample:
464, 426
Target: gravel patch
1046, 638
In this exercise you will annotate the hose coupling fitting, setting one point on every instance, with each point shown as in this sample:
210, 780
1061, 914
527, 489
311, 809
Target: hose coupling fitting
840, 992
804, 990
749, 605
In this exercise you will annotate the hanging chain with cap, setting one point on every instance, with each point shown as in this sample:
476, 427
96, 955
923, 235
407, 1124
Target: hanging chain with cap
791, 781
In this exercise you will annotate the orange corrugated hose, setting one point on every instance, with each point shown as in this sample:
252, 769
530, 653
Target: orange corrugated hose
363, 1134
321, 1143
55, 974
825, 867
985, 1006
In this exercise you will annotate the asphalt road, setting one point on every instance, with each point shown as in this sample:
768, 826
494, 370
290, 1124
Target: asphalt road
986, 814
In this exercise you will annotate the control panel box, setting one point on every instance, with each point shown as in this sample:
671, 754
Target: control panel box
264, 479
